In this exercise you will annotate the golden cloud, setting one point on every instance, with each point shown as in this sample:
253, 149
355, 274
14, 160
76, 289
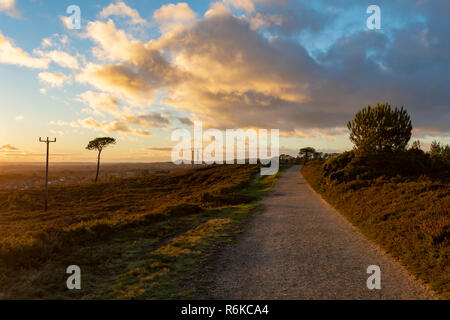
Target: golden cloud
114, 126
9, 7
10, 54
122, 10
100, 101
8, 148
61, 58
53, 79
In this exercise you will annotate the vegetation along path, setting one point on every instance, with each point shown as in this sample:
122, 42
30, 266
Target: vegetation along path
301, 248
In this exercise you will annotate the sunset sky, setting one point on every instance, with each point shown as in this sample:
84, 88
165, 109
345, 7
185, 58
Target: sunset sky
137, 70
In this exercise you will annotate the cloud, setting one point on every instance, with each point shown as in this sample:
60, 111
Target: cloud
8, 148
19, 118
121, 80
61, 58
217, 68
130, 69
211, 68
122, 10
259, 20
160, 149
153, 119
61, 123
100, 102
113, 44
174, 16
113, 126
254, 64
58, 132
67, 22
46, 42
185, 121
10, 54
9, 7
239, 78
246, 5
58, 41
53, 79
217, 9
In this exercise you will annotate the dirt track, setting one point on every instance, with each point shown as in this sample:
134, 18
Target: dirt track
301, 248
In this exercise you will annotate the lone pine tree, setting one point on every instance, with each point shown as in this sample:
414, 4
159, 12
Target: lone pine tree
380, 129
99, 144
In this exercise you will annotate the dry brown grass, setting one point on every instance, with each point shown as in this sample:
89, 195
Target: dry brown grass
91, 211
141, 238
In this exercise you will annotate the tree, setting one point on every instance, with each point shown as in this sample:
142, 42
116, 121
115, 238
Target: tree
317, 155
306, 153
416, 145
99, 144
380, 129
438, 151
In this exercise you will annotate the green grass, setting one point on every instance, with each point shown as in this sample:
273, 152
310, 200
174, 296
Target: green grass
151, 253
408, 217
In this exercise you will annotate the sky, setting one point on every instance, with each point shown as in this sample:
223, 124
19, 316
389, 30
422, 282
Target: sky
138, 70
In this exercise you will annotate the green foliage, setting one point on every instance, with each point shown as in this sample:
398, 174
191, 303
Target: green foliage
306, 154
338, 162
416, 145
439, 155
380, 129
100, 143
352, 165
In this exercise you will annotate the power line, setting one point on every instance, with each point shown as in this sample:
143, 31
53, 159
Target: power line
47, 141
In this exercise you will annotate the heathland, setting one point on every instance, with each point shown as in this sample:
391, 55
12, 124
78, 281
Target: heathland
400, 201
143, 237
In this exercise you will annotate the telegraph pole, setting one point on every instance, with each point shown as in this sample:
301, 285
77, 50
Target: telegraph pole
196, 157
46, 169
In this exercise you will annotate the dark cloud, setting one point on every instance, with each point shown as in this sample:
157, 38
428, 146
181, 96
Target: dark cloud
153, 119
186, 121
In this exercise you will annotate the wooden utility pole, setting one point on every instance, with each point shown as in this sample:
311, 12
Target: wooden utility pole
196, 157
46, 169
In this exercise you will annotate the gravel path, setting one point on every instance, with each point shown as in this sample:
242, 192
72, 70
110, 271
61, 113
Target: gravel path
301, 248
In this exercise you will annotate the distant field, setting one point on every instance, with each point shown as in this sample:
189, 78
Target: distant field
133, 238
20, 176
408, 217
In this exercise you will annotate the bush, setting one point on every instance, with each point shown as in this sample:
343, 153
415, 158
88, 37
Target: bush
338, 162
439, 156
350, 166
